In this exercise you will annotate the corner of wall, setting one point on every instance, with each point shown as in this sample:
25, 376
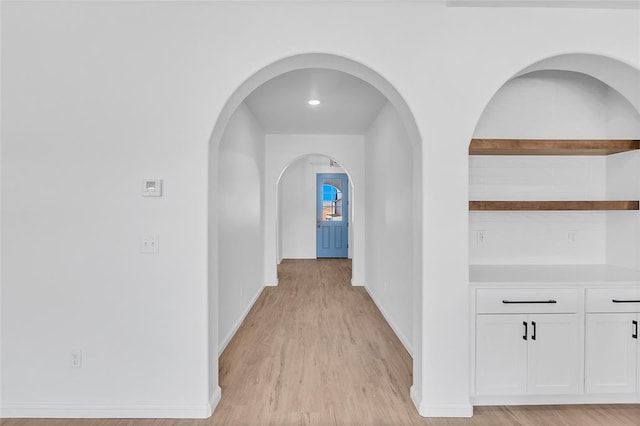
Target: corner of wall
403, 339
439, 410
214, 400
234, 329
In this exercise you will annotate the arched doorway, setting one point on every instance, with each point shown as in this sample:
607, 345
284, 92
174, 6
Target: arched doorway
297, 206
408, 166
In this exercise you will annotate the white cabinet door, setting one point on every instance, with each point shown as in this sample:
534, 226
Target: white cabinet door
553, 354
611, 358
501, 355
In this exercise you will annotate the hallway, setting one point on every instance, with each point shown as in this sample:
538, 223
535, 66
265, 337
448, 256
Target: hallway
315, 350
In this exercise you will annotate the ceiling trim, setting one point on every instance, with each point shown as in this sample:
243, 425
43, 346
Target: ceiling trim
599, 4
588, 4
224, 1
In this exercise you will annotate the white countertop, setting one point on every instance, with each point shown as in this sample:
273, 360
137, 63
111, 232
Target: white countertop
552, 274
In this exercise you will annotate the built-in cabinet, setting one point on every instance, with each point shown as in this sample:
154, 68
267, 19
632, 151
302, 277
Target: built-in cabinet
527, 341
534, 354
611, 362
563, 333
555, 334
612, 349
501, 355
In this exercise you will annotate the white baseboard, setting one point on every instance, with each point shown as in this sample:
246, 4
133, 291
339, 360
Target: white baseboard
203, 411
297, 257
417, 399
272, 284
446, 410
440, 410
396, 330
630, 398
107, 411
355, 284
214, 399
235, 328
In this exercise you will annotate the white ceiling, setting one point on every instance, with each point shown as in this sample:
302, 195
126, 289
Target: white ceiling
348, 105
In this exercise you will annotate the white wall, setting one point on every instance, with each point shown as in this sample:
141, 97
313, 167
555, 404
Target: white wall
558, 104
97, 96
389, 228
537, 237
297, 211
283, 151
241, 220
561, 105
85, 118
623, 183
623, 227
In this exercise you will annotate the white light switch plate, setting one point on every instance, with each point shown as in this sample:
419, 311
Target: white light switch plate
75, 358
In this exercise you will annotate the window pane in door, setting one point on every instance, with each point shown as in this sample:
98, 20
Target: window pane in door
332, 200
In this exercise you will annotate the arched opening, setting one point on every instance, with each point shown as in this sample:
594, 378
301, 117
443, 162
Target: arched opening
297, 210
553, 205
395, 198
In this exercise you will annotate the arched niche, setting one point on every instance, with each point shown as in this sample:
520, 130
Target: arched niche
566, 97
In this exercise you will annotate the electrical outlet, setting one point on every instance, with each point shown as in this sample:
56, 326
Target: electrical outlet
150, 244
572, 237
75, 358
481, 237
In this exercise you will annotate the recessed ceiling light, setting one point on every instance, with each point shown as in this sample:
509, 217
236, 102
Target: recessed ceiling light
313, 102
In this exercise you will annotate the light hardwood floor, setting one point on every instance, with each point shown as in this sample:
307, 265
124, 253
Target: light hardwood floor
316, 351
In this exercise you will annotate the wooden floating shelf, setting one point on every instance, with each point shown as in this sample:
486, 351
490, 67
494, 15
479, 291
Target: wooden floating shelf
552, 205
551, 146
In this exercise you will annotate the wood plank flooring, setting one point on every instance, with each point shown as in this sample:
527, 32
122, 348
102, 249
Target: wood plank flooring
316, 351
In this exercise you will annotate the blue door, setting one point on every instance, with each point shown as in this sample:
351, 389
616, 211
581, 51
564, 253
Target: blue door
332, 213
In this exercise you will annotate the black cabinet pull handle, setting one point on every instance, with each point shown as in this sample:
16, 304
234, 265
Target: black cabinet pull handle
635, 329
524, 336
528, 301
533, 336
625, 301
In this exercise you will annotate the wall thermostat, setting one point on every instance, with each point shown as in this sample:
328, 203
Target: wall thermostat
152, 187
